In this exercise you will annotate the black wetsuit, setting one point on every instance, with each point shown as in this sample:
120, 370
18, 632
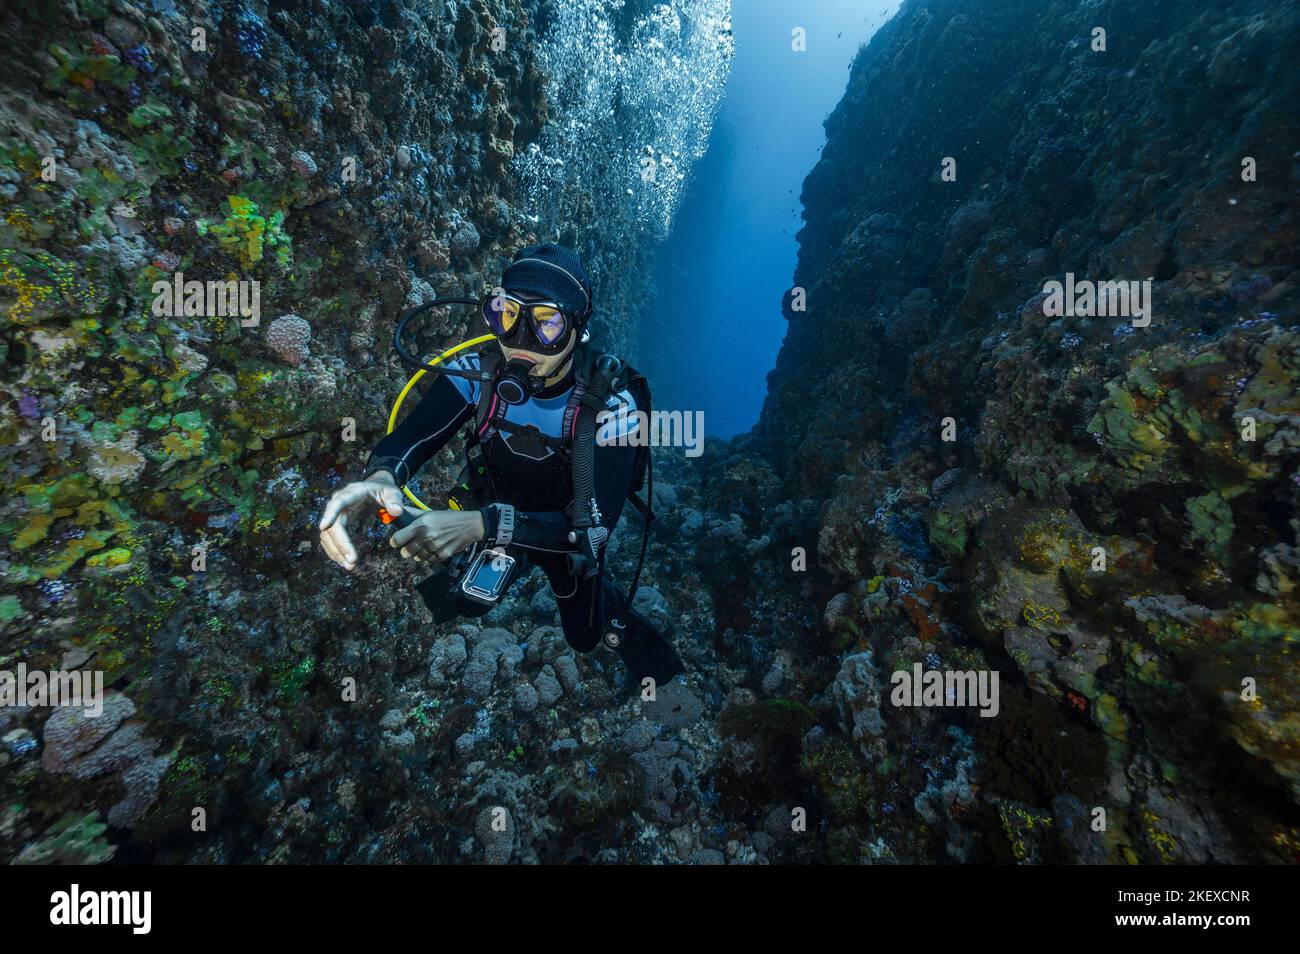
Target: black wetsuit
533, 478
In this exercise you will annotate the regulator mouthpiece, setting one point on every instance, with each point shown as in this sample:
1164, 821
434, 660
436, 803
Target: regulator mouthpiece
515, 384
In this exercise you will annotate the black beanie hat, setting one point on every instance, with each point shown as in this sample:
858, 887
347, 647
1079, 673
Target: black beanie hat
553, 271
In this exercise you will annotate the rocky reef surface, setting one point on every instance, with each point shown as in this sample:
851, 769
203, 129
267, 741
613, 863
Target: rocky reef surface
1104, 529
1104, 512
163, 469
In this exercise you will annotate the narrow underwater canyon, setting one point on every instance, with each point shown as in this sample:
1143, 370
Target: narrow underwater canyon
946, 476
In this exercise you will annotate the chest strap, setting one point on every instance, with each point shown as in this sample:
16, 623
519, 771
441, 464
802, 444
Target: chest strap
491, 412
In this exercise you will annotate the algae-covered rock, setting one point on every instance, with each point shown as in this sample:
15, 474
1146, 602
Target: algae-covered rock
1118, 533
203, 253
857, 697
72, 840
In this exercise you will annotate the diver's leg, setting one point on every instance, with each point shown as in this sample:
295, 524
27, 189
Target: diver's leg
581, 606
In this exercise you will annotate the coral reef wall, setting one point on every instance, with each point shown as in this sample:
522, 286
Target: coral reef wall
948, 475
164, 464
1104, 512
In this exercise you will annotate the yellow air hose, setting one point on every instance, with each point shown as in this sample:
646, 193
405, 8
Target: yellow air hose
397, 405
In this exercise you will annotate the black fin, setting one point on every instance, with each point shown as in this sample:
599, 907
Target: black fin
647, 653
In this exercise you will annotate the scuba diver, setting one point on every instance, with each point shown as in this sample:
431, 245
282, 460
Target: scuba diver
539, 489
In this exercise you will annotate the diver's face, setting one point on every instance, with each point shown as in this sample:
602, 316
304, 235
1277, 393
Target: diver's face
544, 365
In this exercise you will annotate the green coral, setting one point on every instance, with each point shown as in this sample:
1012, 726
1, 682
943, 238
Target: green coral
1130, 434
42, 286
187, 441
220, 689
770, 720
118, 556
1026, 829
1265, 622
73, 840
839, 778
85, 69
78, 498
157, 150
1211, 520
949, 532
292, 679
10, 608
247, 234
1110, 718
1144, 414
148, 113
1162, 842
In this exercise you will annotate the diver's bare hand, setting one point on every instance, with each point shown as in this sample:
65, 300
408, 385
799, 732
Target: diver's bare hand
439, 535
351, 503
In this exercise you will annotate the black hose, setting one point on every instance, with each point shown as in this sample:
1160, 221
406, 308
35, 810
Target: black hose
649, 517
584, 442
414, 362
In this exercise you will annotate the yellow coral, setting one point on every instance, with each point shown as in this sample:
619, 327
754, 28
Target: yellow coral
1165, 844
115, 557
1041, 617
27, 294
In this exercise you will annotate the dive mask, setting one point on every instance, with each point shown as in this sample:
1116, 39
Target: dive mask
547, 322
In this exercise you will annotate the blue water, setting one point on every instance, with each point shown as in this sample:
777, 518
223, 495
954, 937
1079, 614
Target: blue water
715, 323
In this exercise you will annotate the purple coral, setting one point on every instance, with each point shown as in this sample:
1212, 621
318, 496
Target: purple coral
250, 34
1251, 288
466, 240
303, 164
288, 336
86, 746
141, 57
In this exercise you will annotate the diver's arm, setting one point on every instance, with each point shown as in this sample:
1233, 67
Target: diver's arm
424, 432
439, 534
549, 530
